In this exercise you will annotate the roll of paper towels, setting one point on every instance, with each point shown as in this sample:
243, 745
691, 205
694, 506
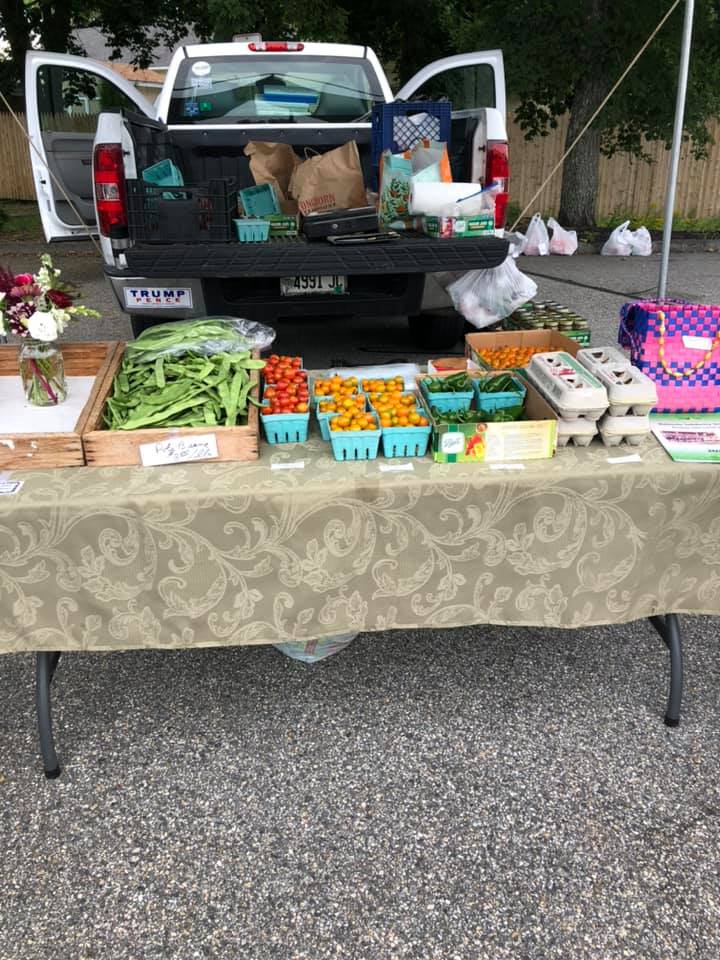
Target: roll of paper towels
441, 199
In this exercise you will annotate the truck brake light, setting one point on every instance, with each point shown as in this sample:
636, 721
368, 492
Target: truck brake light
109, 176
497, 170
276, 46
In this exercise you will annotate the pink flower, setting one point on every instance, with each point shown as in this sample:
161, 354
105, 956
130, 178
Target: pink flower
23, 279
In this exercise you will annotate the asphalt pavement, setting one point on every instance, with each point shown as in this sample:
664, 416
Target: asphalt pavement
478, 794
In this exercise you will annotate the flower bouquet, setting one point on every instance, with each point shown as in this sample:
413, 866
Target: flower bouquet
37, 308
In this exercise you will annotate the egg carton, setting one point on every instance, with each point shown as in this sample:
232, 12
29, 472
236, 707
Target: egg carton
571, 389
580, 430
631, 429
629, 390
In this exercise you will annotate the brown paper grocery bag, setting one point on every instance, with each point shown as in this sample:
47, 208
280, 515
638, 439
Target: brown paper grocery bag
273, 163
329, 181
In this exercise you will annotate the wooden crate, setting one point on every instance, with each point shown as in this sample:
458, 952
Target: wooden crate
34, 451
105, 448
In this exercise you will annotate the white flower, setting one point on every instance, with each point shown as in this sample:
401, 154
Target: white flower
61, 317
42, 326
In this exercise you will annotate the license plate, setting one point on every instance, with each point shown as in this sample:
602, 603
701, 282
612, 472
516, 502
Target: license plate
158, 298
297, 286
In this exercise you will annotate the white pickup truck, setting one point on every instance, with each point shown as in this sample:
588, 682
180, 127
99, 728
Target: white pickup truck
95, 133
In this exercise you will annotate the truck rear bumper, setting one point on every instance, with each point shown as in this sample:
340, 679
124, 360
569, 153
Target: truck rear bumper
179, 299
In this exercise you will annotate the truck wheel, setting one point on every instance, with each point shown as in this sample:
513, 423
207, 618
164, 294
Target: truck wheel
437, 329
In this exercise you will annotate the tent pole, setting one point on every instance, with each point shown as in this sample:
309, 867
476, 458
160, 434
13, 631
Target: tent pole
676, 146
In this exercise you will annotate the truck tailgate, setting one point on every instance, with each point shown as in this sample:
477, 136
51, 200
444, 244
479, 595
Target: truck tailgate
412, 253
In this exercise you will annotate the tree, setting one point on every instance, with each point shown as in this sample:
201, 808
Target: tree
49, 25
563, 56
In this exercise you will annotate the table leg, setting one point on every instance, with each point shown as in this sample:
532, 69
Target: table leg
45, 671
669, 629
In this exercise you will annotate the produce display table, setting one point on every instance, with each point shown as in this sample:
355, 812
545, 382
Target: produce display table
246, 553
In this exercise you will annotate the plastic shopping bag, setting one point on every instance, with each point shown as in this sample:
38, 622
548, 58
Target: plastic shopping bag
537, 239
312, 651
619, 243
484, 297
564, 242
640, 242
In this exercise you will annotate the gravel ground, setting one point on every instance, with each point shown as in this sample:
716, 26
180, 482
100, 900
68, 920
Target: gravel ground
474, 794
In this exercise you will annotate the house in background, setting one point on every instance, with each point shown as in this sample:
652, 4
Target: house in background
149, 82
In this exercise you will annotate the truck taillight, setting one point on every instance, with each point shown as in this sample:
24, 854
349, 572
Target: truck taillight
276, 46
497, 171
109, 175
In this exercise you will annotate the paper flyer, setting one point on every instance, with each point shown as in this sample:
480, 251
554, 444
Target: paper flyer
688, 437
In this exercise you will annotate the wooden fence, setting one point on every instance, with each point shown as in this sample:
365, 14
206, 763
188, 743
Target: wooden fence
625, 184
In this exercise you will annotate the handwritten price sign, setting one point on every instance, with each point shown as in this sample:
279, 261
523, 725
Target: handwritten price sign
179, 450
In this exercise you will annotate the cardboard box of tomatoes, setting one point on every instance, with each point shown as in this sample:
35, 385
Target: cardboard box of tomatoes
511, 350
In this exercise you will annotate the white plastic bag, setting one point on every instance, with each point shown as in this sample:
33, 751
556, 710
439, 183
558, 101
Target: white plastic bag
563, 242
619, 243
484, 297
517, 242
312, 651
537, 239
640, 242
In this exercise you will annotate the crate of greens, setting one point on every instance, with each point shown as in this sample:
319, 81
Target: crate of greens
449, 392
501, 396
180, 392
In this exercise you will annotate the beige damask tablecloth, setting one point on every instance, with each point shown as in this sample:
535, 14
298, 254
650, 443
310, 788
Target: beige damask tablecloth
215, 554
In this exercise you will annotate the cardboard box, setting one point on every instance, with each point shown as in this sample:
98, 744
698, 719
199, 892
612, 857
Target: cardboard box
546, 339
282, 225
455, 228
443, 365
534, 438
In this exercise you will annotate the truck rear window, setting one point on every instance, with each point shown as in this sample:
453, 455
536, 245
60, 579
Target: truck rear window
273, 89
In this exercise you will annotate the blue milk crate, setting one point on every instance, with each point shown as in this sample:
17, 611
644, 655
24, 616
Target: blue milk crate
447, 402
405, 441
490, 402
393, 130
355, 444
285, 427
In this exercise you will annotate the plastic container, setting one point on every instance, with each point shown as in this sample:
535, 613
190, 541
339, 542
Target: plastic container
355, 444
580, 430
490, 402
286, 427
447, 402
252, 231
571, 389
323, 418
163, 174
259, 201
405, 441
197, 213
633, 430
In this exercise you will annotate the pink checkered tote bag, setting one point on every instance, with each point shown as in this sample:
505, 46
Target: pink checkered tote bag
678, 346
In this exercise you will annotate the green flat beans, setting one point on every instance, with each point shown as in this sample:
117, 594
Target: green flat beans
184, 390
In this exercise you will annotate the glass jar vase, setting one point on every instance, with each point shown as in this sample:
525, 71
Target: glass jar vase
43, 373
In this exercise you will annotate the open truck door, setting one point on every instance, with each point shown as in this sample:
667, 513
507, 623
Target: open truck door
475, 84
64, 96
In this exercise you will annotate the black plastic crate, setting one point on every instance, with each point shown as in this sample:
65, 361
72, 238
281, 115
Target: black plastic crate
194, 212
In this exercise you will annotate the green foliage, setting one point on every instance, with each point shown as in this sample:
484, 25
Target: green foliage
553, 48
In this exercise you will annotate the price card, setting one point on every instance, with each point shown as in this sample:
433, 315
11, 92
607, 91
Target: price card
395, 467
179, 450
9, 487
295, 465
